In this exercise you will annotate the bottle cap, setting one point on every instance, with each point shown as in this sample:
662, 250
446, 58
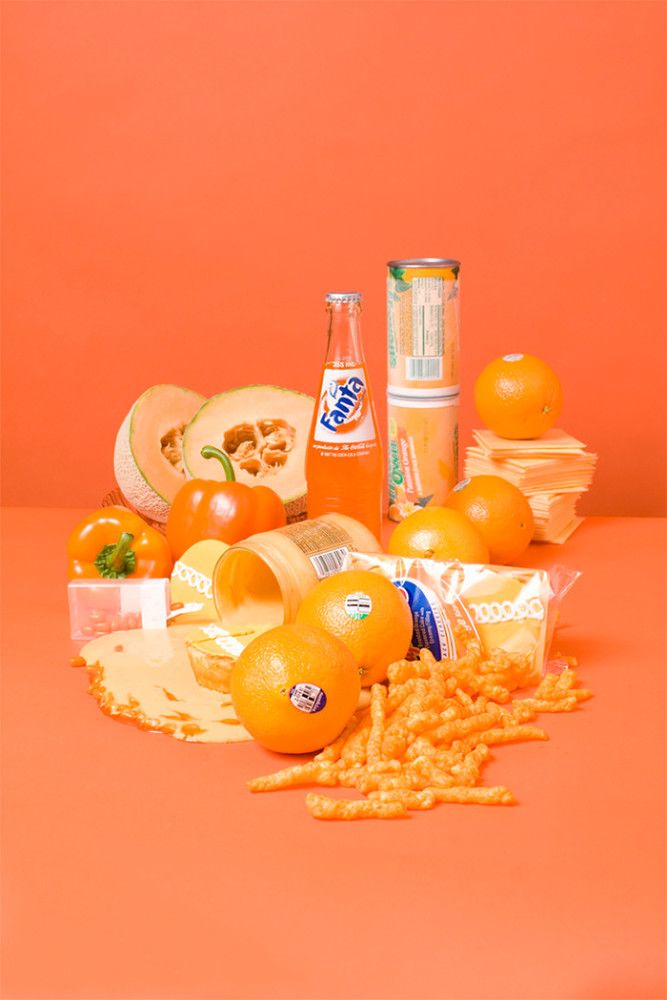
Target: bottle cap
343, 297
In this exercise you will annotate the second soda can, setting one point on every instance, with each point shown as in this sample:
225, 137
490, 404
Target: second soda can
423, 452
423, 326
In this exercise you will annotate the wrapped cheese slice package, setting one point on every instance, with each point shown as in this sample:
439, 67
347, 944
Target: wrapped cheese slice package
513, 609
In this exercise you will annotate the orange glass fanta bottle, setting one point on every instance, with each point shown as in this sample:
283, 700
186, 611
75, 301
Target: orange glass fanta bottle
344, 458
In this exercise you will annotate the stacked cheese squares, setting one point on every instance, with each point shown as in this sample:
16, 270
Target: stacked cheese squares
551, 471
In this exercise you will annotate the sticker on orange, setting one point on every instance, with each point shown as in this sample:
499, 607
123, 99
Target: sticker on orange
358, 605
307, 697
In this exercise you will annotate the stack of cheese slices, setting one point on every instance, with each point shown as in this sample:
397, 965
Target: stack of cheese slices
553, 471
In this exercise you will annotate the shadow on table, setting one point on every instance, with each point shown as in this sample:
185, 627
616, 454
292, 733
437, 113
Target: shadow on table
570, 641
626, 984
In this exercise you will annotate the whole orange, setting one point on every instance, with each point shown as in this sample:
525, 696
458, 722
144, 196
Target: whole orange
499, 511
439, 533
294, 688
518, 396
367, 613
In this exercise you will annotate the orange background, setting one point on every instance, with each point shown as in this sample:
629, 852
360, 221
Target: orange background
184, 181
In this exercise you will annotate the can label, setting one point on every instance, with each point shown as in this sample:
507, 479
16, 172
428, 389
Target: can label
423, 327
423, 453
428, 333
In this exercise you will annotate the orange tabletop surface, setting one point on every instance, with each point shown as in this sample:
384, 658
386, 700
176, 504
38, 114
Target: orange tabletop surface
135, 866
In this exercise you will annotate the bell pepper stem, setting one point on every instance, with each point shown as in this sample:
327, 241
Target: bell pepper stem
210, 451
117, 561
117, 557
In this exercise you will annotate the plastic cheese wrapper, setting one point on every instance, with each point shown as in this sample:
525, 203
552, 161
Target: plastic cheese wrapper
451, 602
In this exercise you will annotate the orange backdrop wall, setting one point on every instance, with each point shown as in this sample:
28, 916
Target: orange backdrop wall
183, 181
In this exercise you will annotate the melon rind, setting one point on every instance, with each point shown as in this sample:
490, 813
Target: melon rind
197, 467
132, 480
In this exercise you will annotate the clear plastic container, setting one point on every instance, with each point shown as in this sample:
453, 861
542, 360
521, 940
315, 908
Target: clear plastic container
97, 607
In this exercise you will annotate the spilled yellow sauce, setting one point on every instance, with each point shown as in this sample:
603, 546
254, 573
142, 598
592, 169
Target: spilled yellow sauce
145, 678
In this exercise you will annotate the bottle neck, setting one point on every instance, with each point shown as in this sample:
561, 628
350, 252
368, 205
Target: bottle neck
344, 348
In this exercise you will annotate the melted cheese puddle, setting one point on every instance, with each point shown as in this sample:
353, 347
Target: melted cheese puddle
145, 678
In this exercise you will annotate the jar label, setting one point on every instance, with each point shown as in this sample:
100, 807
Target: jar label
307, 697
326, 545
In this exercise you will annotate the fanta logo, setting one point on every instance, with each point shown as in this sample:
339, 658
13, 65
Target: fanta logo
343, 404
493, 612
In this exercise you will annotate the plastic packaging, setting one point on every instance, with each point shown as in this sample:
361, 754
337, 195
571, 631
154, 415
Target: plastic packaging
263, 579
503, 607
97, 607
561, 581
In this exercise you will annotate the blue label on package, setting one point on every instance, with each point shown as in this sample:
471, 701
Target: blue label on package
428, 628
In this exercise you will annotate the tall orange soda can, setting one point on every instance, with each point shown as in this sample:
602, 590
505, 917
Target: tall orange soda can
344, 469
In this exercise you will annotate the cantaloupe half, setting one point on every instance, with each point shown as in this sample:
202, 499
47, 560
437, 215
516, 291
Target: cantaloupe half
264, 429
148, 457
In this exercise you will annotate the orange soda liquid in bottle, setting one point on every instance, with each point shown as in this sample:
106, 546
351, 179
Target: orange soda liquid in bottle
344, 469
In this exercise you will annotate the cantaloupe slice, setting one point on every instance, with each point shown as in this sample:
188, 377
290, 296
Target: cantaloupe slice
148, 459
264, 430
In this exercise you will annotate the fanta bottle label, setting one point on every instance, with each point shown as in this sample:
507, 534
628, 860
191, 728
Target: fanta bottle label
344, 414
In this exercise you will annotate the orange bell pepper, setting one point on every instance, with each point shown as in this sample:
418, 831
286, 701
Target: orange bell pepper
227, 510
113, 543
